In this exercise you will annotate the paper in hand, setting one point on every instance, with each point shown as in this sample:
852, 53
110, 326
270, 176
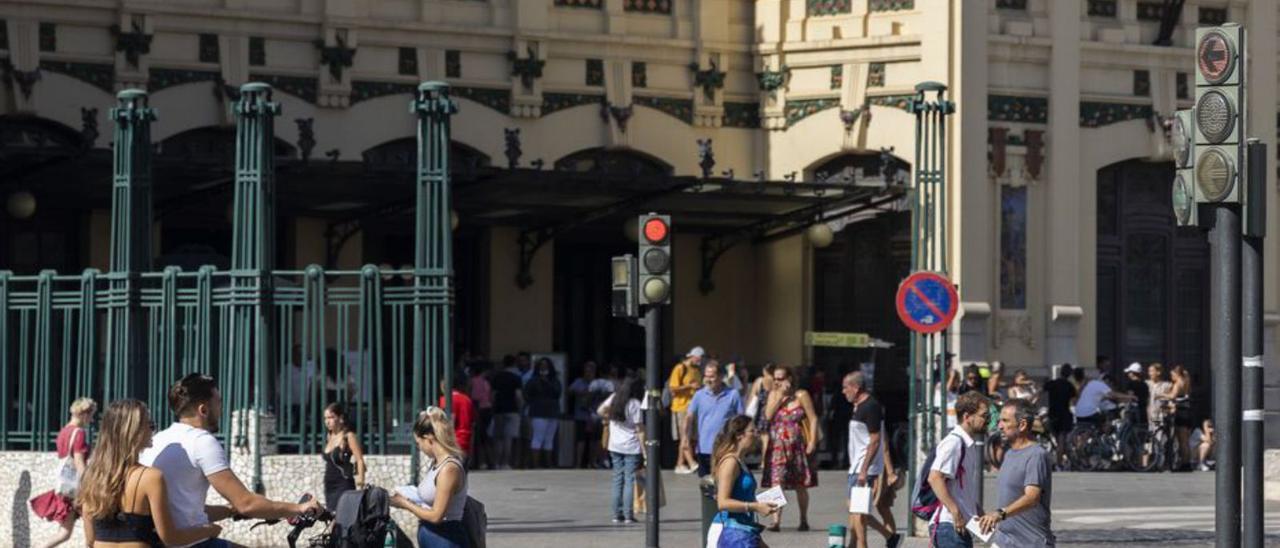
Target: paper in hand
773, 496
410, 492
976, 529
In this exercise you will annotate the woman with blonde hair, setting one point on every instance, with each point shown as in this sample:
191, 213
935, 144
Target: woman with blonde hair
443, 490
58, 504
124, 503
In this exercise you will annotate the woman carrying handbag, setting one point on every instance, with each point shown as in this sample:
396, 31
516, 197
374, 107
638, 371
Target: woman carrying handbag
58, 504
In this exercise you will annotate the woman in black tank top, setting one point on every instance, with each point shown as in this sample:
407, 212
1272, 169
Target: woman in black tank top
123, 502
343, 457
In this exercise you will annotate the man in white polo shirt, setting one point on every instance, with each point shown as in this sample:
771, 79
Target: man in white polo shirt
955, 473
191, 460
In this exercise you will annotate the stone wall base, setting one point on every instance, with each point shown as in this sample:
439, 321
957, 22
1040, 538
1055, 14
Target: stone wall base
285, 477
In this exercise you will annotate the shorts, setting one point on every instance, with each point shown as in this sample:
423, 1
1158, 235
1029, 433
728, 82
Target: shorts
879, 493
544, 434
677, 423
505, 426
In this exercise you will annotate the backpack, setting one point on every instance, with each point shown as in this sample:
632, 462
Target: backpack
361, 520
475, 521
924, 502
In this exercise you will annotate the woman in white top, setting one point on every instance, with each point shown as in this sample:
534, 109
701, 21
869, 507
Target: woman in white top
444, 489
626, 440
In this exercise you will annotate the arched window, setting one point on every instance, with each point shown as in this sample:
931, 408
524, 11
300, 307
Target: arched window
857, 166
616, 162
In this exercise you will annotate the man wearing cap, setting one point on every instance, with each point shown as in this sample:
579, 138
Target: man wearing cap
684, 381
1137, 387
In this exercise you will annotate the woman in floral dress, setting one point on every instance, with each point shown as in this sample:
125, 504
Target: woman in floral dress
793, 438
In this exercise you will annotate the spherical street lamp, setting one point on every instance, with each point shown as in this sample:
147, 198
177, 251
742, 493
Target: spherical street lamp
21, 205
820, 235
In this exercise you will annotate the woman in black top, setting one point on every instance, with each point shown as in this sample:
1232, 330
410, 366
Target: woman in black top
343, 457
543, 393
123, 502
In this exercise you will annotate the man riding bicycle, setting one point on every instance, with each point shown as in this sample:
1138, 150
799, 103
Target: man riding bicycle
1096, 398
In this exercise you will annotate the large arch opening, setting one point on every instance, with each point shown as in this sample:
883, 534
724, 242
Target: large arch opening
854, 283
1152, 277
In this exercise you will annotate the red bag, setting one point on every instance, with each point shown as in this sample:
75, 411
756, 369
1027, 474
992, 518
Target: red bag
52, 506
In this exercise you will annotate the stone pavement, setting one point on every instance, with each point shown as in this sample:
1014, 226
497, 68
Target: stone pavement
570, 508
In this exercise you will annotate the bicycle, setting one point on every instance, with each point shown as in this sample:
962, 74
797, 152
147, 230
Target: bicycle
301, 523
1166, 453
1115, 441
1041, 433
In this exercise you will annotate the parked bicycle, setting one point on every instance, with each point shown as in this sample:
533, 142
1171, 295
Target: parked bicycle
1164, 450
1041, 431
1117, 441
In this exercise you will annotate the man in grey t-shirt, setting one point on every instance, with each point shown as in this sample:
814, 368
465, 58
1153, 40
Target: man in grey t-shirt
1025, 485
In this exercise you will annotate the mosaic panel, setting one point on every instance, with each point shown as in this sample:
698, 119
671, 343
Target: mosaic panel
681, 109
160, 78
1011, 4
298, 86
594, 4
1102, 8
639, 75
595, 72
890, 5
837, 76
496, 99
101, 76
209, 49
48, 37
1212, 17
552, 102
1097, 114
1011, 108
875, 77
1142, 83
452, 63
1150, 11
408, 63
818, 8
1013, 247
362, 90
743, 115
796, 111
661, 7
900, 102
257, 51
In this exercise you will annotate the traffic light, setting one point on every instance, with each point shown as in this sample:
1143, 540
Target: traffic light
624, 287
1185, 201
655, 259
1219, 122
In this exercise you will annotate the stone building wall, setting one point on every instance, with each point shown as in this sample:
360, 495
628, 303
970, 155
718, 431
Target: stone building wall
285, 477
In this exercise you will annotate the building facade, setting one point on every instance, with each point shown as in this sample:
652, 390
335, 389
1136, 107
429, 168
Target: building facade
1059, 226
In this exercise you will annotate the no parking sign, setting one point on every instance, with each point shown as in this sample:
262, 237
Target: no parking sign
927, 302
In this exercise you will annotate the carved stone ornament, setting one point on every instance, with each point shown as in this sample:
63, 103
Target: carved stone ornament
528, 68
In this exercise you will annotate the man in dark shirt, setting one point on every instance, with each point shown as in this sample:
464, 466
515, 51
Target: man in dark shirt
1060, 392
506, 410
1137, 386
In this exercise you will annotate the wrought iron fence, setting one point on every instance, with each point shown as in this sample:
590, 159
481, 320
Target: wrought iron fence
282, 343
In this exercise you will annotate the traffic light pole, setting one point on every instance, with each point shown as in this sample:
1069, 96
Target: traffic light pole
1224, 352
653, 470
1251, 272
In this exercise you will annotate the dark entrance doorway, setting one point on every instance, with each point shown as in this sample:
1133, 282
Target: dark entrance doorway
1152, 276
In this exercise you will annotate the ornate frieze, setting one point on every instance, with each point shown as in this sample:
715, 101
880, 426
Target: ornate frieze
890, 5
1098, 114
741, 115
660, 7
1012, 108
301, 87
819, 8
496, 99
798, 110
681, 109
899, 102
552, 102
160, 78
99, 75
362, 90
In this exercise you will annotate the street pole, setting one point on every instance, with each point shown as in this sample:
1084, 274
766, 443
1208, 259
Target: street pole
1251, 272
1224, 352
652, 436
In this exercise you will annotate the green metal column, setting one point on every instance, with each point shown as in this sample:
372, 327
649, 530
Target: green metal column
927, 353
250, 372
433, 250
127, 362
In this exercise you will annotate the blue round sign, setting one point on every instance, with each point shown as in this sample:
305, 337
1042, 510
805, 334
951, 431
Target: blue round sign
927, 302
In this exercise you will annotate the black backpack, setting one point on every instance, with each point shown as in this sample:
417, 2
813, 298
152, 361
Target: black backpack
361, 520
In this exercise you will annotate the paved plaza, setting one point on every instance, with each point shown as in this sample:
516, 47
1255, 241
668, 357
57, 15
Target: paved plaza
562, 508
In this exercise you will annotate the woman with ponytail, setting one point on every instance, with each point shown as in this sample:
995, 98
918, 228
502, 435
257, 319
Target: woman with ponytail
444, 488
125, 503
736, 487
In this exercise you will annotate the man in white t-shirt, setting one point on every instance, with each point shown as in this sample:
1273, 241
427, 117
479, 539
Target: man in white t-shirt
192, 460
1096, 397
866, 461
956, 471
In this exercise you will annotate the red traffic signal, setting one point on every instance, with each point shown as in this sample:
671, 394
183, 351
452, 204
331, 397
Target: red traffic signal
655, 230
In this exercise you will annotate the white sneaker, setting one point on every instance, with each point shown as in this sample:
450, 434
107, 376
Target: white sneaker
681, 470
1205, 467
